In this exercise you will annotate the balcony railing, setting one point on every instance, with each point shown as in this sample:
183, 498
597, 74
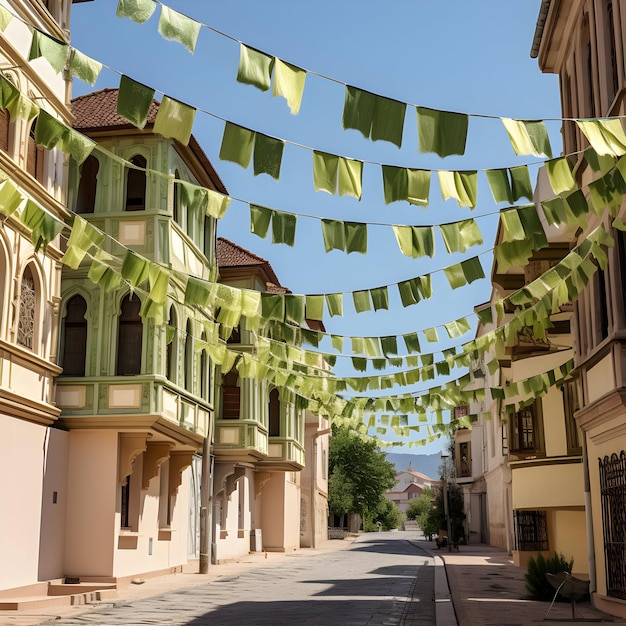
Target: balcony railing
131, 395
245, 435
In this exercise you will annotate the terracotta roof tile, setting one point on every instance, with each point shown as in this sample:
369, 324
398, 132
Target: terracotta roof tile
272, 288
229, 254
99, 110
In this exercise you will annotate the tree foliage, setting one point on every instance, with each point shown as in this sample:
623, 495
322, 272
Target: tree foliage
340, 492
359, 474
387, 513
423, 511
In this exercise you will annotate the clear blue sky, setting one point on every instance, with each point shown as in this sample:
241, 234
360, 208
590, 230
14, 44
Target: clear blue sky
472, 57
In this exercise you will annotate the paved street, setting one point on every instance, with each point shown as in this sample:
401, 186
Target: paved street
383, 579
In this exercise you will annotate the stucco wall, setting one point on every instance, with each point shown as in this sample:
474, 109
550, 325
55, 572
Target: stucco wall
54, 506
281, 512
273, 512
292, 514
233, 534
21, 468
570, 537
498, 507
534, 487
92, 503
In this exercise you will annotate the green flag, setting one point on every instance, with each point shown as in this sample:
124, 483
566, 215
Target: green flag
255, 68
133, 101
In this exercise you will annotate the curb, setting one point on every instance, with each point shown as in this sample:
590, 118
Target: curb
444, 608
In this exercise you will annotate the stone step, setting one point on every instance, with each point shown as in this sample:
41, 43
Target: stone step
68, 589
74, 598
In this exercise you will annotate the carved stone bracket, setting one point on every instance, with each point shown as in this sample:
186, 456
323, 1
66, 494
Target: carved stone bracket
260, 478
179, 462
231, 481
156, 453
131, 445
225, 476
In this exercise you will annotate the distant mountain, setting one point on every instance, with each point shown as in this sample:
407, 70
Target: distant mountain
424, 463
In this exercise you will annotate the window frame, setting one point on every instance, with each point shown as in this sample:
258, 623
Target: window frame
516, 430
93, 196
36, 309
274, 413
35, 156
141, 176
64, 335
122, 342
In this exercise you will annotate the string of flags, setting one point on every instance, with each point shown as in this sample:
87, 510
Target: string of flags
377, 118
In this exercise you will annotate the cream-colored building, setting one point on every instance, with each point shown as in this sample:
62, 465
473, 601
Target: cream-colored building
262, 498
409, 485
136, 395
520, 466
584, 43
33, 488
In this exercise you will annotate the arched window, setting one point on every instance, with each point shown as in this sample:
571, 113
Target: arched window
231, 396
74, 337
176, 200
204, 372
129, 337
188, 358
171, 346
274, 413
136, 184
35, 156
4, 130
28, 310
86, 197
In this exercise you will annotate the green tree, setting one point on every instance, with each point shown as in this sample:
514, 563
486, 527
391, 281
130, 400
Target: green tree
419, 506
359, 474
424, 511
388, 514
340, 493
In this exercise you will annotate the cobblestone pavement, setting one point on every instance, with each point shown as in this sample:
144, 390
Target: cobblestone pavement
381, 579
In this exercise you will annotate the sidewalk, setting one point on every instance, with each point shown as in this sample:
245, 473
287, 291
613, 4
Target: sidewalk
488, 590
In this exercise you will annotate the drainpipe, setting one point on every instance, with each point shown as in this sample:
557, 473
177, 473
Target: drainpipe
315, 438
206, 497
591, 549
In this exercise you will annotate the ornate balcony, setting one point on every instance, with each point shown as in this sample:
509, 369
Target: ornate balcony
240, 440
285, 454
142, 401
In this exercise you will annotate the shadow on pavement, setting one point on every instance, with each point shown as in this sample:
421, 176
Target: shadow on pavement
330, 613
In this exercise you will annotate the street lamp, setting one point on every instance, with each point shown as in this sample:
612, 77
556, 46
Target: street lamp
446, 512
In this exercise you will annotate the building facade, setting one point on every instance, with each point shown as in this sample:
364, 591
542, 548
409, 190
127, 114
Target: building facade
409, 485
521, 465
31, 448
584, 43
136, 395
263, 500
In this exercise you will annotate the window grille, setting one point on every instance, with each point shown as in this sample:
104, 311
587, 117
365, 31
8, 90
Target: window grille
613, 499
28, 307
531, 530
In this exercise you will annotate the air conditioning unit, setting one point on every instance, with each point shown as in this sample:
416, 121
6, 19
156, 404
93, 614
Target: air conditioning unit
256, 540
